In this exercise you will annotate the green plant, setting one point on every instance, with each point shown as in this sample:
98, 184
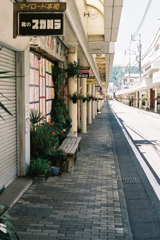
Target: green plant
39, 165
60, 116
143, 100
3, 107
57, 152
35, 117
43, 137
7, 231
79, 129
60, 111
73, 69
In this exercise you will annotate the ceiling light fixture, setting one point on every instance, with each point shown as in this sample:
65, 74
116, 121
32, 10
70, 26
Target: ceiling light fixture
93, 14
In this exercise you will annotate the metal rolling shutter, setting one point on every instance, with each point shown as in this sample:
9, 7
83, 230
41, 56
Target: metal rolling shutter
8, 132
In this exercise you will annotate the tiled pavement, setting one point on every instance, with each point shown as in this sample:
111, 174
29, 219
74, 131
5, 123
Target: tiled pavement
86, 204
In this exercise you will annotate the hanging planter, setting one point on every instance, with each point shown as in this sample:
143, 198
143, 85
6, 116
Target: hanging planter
74, 100
73, 69
75, 97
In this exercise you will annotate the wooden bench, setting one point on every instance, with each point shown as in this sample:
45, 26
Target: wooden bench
71, 145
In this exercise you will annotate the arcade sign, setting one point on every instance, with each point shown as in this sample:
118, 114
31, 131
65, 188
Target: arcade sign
83, 73
38, 19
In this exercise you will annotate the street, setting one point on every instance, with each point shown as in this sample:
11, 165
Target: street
136, 136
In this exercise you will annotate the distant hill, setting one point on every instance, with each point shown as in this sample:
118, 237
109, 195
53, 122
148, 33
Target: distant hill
118, 71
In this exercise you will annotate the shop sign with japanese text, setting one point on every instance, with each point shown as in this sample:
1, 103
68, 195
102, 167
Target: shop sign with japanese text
84, 68
38, 24
38, 19
90, 81
83, 75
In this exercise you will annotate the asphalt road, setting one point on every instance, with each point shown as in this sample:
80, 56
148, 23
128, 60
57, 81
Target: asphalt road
137, 142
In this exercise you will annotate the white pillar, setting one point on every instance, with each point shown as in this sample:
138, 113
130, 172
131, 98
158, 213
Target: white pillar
136, 99
99, 102
79, 104
96, 103
155, 104
149, 98
140, 101
89, 88
93, 102
83, 107
146, 101
72, 87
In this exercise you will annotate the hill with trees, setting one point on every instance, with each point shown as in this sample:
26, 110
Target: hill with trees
118, 71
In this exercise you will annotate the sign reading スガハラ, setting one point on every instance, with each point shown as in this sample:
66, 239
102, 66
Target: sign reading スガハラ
38, 19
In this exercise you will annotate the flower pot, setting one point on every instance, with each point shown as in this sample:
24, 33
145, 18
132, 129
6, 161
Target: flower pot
74, 100
55, 170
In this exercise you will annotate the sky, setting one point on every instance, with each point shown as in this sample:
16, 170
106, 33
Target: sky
131, 16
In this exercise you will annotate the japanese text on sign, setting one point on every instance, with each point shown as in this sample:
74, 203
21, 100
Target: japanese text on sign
38, 6
40, 24
43, 24
83, 75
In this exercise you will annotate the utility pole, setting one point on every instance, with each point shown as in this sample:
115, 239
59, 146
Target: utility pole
130, 52
140, 51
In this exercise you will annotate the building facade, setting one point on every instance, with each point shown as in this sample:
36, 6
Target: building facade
90, 30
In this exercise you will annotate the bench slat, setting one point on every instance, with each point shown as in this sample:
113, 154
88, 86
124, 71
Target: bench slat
70, 145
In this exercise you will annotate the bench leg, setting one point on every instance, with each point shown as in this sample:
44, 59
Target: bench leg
75, 155
71, 164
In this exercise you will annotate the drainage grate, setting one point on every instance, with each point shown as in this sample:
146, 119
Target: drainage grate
129, 180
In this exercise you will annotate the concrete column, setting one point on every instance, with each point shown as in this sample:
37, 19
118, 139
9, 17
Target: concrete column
79, 104
93, 102
95, 107
149, 98
89, 88
136, 99
99, 107
72, 87
83, 106
140, 101
155, 104
146, 101
96, 103
100, 102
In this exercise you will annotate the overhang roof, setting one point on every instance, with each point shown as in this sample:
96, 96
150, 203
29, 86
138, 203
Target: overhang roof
112, 13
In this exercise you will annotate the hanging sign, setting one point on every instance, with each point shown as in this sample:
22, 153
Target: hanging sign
90, 81
38, 24
38, 19
84, 68
83, 73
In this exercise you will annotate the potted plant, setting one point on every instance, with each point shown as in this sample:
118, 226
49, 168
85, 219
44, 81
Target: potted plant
74, 97
73, 69
79, 129
39, 167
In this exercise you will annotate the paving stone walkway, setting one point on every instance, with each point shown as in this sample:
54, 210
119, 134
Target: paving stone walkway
85, 204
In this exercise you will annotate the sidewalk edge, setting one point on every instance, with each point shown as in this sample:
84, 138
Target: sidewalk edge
127, 228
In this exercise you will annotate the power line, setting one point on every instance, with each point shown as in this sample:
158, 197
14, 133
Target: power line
143, 18
136, 33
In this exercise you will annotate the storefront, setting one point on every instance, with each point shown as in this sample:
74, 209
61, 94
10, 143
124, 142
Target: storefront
8, 125
45, 53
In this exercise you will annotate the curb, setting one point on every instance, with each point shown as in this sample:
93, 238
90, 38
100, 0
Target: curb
125, 218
